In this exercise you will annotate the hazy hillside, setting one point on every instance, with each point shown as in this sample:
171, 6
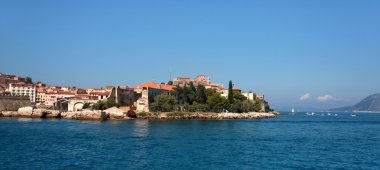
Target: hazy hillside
370, 103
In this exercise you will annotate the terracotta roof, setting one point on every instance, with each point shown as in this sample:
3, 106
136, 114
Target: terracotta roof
155, 86
100, 93
167, 87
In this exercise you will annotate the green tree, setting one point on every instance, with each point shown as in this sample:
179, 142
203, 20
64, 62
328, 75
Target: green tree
163, 103
258, 105
86, 105
210, 92
201, 96
198, 107
170, 82
267, 107
28, 80
239, 96
179, 94
103, 105
185, 94
230, 94
248, 106
191, 95
217, 103
236, 107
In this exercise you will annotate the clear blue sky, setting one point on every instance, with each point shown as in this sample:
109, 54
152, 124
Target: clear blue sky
284, 49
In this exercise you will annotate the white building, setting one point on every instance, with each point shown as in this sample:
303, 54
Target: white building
249, 95
24, 90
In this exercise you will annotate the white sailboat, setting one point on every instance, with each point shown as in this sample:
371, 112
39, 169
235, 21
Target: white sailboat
293, 112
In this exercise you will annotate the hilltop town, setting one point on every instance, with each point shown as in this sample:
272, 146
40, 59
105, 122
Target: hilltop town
182, 94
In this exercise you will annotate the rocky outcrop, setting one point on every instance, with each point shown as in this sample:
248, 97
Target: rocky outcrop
85, 115
43, 113
115, 113
185, 115
25, 111
9, 113
251, 115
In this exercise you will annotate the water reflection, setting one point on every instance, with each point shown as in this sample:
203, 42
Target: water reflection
141, 128
28, 120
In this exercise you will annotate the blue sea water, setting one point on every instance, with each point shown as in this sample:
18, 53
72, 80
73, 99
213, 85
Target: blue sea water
285, 142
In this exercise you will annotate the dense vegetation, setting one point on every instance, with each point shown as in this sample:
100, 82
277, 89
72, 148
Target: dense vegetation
200, 99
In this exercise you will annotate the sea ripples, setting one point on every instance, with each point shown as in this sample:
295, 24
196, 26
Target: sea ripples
283, 143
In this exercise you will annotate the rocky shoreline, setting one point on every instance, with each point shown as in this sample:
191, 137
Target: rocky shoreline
206, 116
117, 114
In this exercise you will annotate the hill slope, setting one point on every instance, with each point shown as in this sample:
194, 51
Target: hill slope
370, 103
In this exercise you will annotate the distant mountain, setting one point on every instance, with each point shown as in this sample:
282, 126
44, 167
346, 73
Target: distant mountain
370, 103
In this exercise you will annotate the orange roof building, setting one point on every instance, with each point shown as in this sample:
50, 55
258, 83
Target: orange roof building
155, 85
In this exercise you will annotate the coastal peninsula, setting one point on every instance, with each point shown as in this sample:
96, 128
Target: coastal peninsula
179, 98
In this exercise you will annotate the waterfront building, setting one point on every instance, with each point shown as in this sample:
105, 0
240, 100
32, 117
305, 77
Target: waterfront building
23, 90
100, 95
124, 97
224, 92
121, 95
145, 94
249, 95
51, 98
259, 97
40, 96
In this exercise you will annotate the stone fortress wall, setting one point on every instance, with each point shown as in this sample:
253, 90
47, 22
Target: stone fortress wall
13, 103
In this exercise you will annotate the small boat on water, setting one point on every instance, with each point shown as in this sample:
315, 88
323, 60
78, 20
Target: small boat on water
353, 115
310, 114
293, 112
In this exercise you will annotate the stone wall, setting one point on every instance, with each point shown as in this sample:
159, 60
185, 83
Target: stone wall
13, 103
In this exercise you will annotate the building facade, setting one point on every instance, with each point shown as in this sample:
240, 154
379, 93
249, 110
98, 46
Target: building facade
23, 90
249, 95
145, 94
51, 98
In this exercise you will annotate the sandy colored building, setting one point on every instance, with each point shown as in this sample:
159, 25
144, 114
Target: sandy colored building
23, 90
249, 95
145, 94
51, 98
